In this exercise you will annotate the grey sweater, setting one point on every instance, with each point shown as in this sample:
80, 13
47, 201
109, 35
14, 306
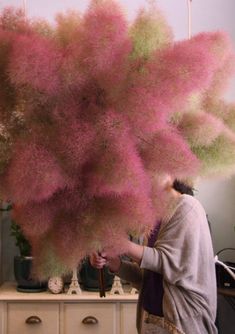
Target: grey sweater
183, 254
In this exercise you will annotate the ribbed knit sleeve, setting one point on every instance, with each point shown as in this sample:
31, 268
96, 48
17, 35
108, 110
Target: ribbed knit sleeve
183, 244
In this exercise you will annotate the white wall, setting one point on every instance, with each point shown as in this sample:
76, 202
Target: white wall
218, 197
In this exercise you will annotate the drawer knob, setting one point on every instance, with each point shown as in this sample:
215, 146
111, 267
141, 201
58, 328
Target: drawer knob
33, 320
90, 320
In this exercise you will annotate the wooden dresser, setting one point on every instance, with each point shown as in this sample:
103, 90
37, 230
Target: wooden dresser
45, 313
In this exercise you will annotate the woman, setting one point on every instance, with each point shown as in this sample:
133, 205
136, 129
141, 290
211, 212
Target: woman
175, 272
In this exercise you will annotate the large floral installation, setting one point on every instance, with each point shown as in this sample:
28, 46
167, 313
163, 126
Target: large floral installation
93, 112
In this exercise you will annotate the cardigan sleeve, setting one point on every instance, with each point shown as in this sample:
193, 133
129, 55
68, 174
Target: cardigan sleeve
181, 245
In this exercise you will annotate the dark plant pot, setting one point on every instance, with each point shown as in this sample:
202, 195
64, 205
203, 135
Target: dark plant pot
22, 271
89, 277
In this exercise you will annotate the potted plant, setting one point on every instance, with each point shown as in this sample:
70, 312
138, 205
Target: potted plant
23, 263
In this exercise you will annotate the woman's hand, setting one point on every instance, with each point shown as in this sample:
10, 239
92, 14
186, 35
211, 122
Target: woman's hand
99, 260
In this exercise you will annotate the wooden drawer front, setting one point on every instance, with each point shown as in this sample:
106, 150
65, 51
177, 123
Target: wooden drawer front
128, 318
99, 318
18, 313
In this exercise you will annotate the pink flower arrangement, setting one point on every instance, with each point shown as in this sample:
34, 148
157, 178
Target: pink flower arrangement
91, 111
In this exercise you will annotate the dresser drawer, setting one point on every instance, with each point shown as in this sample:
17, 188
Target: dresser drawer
89, 318
32, 318
128, 318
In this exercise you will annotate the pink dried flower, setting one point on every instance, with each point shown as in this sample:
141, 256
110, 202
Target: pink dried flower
33, 174
102, 46
103, 36
176, 72
200, 128
13, 19
35, 219
169, 153
35, 62
72, 248
74, 143
87, 109
221, 78
116, 166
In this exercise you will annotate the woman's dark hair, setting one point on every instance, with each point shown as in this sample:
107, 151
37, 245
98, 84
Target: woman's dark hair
183, 188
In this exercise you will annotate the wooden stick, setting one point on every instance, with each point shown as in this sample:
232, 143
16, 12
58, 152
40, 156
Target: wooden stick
189, 18
24, 8
101, 282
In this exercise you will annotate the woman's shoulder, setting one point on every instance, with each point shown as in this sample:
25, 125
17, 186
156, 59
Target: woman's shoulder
188, 206
188, 202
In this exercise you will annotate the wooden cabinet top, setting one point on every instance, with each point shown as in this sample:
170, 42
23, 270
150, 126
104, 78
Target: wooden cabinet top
8, 292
